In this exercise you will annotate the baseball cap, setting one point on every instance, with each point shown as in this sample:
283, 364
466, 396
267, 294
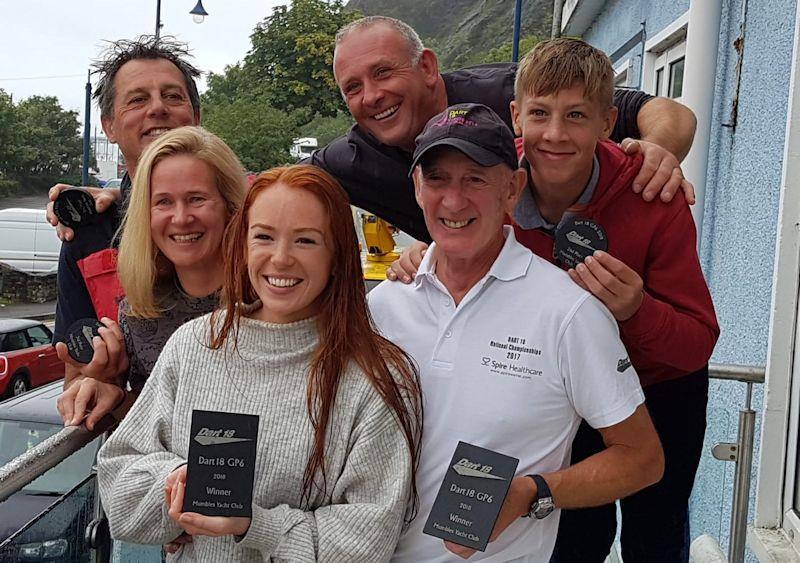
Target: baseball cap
473, 129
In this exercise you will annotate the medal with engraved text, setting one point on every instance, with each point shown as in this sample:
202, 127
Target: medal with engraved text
74, 207
79, 339
576, 239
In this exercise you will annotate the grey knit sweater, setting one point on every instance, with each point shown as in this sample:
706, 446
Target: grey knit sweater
359, 514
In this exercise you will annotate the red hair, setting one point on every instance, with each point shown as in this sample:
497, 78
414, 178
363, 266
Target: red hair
345, 327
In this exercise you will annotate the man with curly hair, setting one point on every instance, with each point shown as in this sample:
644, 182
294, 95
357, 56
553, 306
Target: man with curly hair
146, 87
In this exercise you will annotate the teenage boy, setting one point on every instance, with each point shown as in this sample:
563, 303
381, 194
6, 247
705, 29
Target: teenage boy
649, 278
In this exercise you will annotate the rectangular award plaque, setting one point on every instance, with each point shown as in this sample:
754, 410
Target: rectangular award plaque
471, 495
222, 456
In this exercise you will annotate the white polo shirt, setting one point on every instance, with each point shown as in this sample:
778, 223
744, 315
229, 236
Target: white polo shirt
514, 368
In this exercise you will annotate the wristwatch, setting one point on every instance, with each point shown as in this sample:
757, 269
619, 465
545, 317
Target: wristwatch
543, 505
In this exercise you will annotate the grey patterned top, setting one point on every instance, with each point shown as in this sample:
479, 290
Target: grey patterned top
355, 516
145, 338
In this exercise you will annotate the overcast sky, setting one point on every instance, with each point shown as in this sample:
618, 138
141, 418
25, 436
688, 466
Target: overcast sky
46, 45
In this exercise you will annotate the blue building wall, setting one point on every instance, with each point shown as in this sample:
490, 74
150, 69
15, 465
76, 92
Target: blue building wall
741, 208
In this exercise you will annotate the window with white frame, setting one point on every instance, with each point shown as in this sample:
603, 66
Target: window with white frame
667, 78
664, 60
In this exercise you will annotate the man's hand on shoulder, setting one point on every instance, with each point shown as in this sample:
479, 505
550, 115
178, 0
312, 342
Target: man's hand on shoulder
103, 199
660, 173
405, 268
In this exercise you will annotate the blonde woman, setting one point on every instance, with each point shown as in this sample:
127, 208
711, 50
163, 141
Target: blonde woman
188, 185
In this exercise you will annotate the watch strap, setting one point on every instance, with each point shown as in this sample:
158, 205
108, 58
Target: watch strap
542, 489
543, 504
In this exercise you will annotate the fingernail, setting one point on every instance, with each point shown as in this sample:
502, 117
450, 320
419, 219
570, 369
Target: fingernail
406, 279
589, 260
637, 188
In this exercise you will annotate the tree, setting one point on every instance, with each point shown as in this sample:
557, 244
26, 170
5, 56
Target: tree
326, 129
260, 135
503, 53
229, 86
45, 147
289, 65
7, 130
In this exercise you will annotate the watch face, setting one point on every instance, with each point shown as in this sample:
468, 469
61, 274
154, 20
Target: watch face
543, 507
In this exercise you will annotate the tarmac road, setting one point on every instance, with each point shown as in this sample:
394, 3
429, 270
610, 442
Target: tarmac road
36, 201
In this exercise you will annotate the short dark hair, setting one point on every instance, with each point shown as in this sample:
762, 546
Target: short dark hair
145, 47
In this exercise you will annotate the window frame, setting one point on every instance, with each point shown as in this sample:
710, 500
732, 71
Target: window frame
25, 337
775, 533
668, 45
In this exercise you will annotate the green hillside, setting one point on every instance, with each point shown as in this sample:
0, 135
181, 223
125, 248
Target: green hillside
462, 32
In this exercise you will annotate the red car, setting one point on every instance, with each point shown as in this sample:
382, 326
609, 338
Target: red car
27, 356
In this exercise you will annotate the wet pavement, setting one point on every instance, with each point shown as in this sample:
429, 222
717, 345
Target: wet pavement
38, 311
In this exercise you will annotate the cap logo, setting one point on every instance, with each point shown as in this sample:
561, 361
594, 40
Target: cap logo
455, 117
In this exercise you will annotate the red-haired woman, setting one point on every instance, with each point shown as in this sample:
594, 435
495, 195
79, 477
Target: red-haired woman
339, 406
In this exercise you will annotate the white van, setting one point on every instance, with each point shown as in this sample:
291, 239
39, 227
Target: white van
27, 241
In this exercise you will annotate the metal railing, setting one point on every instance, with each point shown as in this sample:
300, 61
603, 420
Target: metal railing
47, 454
739, 452
50, 452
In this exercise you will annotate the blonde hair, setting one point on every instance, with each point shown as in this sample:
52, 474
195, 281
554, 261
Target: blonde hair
140, 264
560, 64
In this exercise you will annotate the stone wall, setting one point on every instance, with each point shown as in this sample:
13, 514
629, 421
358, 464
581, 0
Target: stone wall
22, 287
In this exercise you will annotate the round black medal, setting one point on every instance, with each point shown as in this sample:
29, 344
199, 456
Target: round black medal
576, 239
74, 207
79, 339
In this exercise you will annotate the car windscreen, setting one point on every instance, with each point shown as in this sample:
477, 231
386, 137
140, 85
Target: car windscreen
18, 437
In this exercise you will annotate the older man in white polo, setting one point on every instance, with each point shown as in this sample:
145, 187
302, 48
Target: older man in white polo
512, 354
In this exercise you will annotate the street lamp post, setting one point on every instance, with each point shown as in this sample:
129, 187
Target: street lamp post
198, 12
158, 19
198, 15
86, 127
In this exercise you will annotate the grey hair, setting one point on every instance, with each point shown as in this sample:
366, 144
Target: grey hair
145, 47
412, 40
